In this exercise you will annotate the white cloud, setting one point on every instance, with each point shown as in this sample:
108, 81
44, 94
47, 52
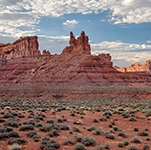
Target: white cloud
55, 44
24, 13
70, 22
123, 53
149, 41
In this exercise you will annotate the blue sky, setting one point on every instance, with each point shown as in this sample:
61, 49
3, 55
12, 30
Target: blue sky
119, 27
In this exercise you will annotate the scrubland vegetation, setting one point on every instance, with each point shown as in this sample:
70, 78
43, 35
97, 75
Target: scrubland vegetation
76, 124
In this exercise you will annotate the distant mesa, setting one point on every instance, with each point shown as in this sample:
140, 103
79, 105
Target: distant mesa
137, 67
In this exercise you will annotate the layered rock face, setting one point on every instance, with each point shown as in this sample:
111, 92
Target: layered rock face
24, 47
137, 67
74, 74
78, 46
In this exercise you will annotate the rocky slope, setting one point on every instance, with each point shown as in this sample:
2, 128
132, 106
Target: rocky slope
74, 74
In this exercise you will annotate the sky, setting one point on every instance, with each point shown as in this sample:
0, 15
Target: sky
119, 27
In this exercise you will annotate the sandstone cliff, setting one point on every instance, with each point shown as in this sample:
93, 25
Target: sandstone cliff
137, 67
78, 46
74, 74
24, 47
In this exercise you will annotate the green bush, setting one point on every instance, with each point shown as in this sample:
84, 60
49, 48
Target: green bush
132, 148
79, 147
146, 147
16, 141
88, 141
120, 144
109, 136
26, 127
75, 129
31, 133
122, 134
143, 133
78, 138
136, 140
136, 129
68, 142
53, 133
100, 147
47, 143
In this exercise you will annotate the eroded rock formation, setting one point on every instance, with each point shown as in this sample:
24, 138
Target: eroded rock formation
74, 74
137, 67
77, 46
24, 47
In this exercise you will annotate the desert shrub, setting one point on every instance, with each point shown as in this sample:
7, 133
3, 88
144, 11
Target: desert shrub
78, 122
16, 141
20, 115
46, 128
106, 146
107, 113
120, 144
36, 138
60, 120
146, 147
8, 115
63, 127
91, 128
143, 133
95, 120
39, 117
39, 124
126, 143
13, 134
75, 129
133, 119
78, 138
135, 140
72, 114
4, 135
26, 127
100, 147
79, 147
109, 135
136, 129
11, 122
88, 141
132, 148
50, 121
5, 129
29, 122
122, 134
148, 114
103, 119
115, 128
47, 143
14, 147
98, 131
2, 120
31, 133
148, 139
125, 115
53, 133
68, 142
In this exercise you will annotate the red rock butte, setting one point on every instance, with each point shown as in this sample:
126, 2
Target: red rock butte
73, 74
